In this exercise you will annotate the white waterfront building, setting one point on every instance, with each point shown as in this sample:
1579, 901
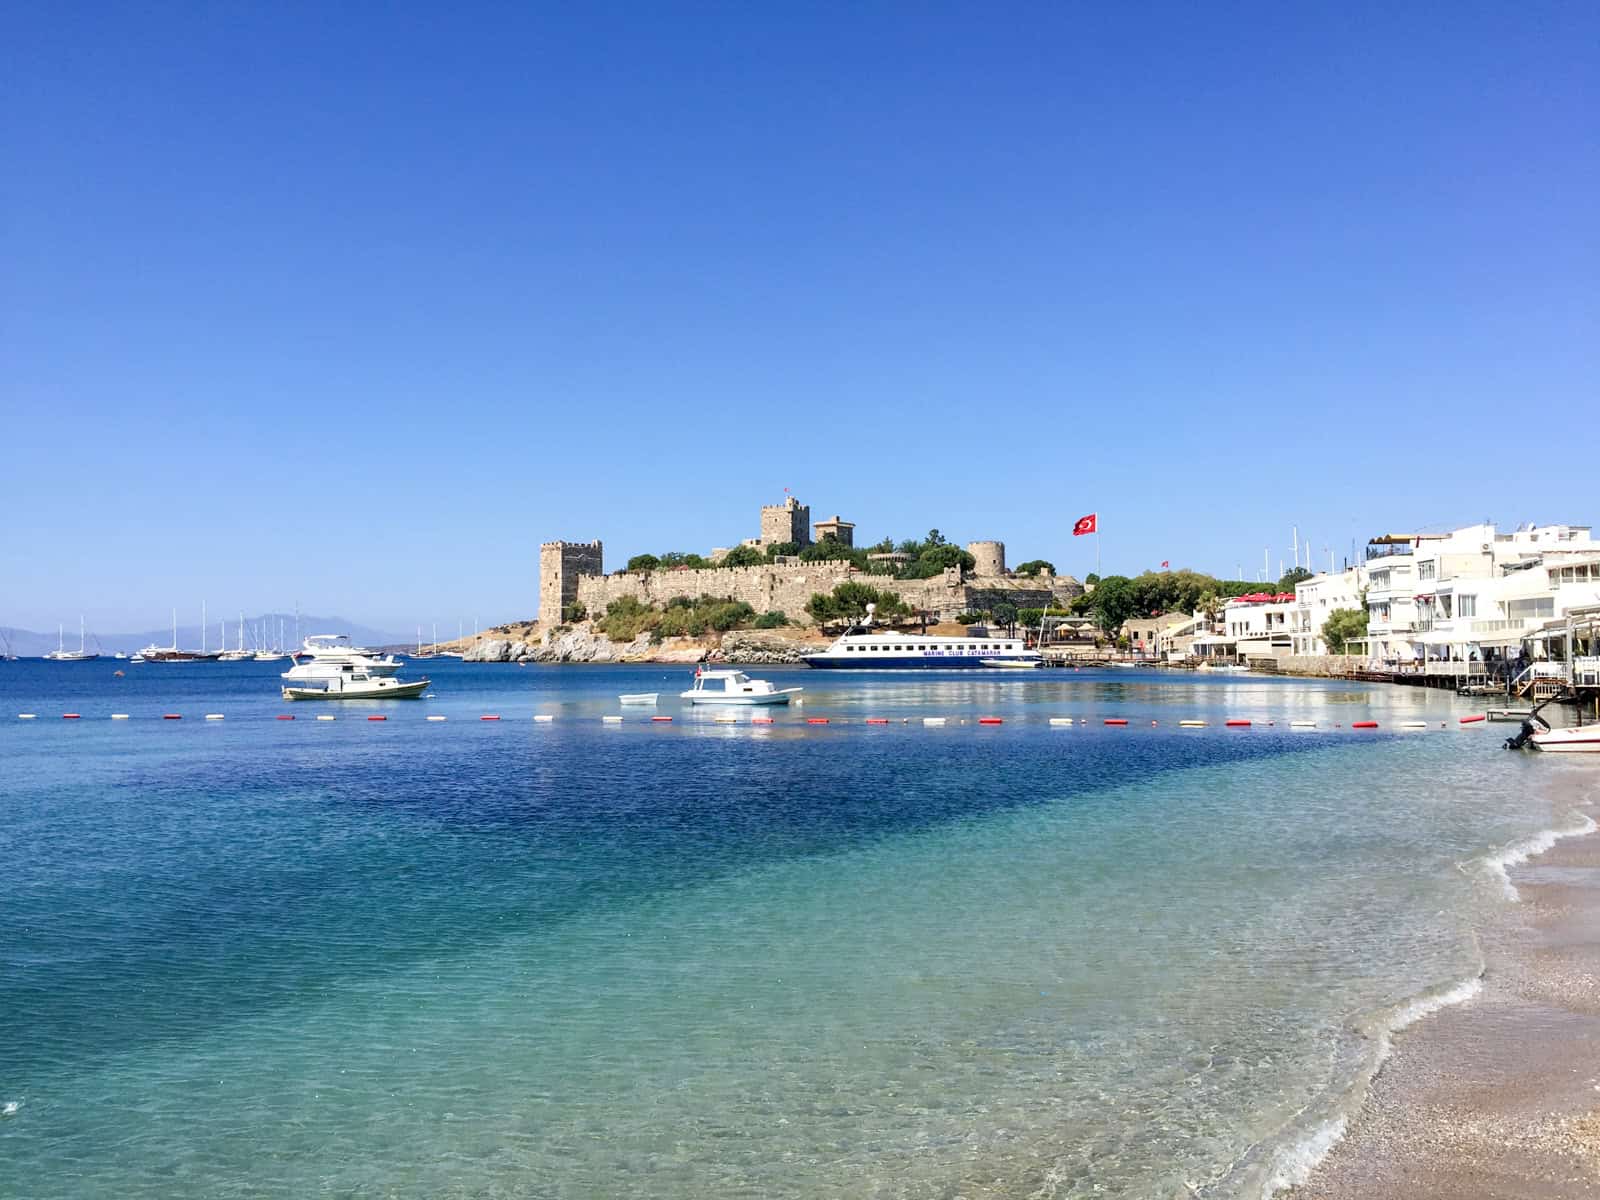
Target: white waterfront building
1315, 599
1475, 595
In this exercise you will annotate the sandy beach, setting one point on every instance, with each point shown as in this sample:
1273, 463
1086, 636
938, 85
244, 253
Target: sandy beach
1498, 1096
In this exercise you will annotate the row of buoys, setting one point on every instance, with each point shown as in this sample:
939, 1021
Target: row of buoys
731, 719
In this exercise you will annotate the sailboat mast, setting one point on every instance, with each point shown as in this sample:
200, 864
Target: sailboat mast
80, 633
202, 627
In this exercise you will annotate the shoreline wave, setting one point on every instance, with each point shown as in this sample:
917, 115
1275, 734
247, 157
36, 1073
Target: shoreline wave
1293, 1163
1498, 865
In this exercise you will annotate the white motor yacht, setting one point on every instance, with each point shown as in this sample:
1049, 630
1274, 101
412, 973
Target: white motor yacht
334, 649
734, 687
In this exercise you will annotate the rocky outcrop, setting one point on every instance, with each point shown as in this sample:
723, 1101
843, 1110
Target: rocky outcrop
754, 646
581, 644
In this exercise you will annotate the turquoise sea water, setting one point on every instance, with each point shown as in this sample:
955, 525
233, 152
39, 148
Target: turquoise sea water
481, 959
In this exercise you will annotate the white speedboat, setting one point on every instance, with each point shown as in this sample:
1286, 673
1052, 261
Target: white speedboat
1574, 739
734, 687
1011, 662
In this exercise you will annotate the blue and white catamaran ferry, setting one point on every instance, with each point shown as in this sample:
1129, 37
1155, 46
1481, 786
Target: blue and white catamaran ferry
862, 649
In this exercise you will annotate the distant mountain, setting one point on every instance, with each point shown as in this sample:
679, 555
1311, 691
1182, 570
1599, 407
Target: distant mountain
25, 643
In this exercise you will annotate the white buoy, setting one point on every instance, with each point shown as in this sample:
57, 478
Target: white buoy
324, 718
724, 719
1413, 724
119, 716
612, 720
1061, 720
543, 718
213, 716
435, 718
1302, 724
933, 720
27, 716
1191, 724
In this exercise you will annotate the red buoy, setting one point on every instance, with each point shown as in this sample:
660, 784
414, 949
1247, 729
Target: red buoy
877, 720
377, 718
663, 720
1237, 723
285, 716
1115, 721
761, 720
991, 721
172, 716
816, 720
493, 717
1471, 720
70, 717
1363, 724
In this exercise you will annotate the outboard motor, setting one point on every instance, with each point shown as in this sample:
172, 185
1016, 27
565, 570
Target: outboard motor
1531, 725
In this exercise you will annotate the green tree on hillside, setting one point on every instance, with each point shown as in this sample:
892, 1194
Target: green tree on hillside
643, 562
782, 549
1291, 577
1035, 565
742, 556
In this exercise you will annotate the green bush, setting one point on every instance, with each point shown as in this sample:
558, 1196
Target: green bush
776, 619
574, 612
1035, 565
643, 562
742, 556
626, 618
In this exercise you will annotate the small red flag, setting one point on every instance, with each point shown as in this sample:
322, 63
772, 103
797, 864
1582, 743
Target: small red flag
1165, 563
1084, 525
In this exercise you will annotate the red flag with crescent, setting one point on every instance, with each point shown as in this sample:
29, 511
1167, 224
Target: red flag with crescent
1085, 525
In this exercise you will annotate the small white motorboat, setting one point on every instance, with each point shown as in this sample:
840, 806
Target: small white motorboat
1574, 739
638, 697
1012, 663
734, 687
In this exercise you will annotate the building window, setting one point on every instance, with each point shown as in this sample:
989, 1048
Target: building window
1466, 606
1426, 570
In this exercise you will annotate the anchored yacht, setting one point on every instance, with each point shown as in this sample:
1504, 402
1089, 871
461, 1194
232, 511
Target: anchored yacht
336, 670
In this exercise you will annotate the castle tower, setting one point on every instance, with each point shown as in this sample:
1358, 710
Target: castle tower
560, 564
786, 522
837, 528
991, 558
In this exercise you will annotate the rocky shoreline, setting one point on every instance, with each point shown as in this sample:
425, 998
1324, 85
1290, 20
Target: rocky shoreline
582, 645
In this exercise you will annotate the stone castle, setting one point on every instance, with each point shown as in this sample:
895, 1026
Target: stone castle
574, 572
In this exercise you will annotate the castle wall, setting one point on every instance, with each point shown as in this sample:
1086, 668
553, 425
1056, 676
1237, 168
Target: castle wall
769, 588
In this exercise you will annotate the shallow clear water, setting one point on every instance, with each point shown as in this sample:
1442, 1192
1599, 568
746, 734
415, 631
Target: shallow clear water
463, 958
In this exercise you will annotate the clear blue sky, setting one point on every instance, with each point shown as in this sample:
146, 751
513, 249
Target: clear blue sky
356, 304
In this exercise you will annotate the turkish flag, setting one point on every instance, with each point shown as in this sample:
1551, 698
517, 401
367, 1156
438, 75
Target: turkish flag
1165, 563
1084, 525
